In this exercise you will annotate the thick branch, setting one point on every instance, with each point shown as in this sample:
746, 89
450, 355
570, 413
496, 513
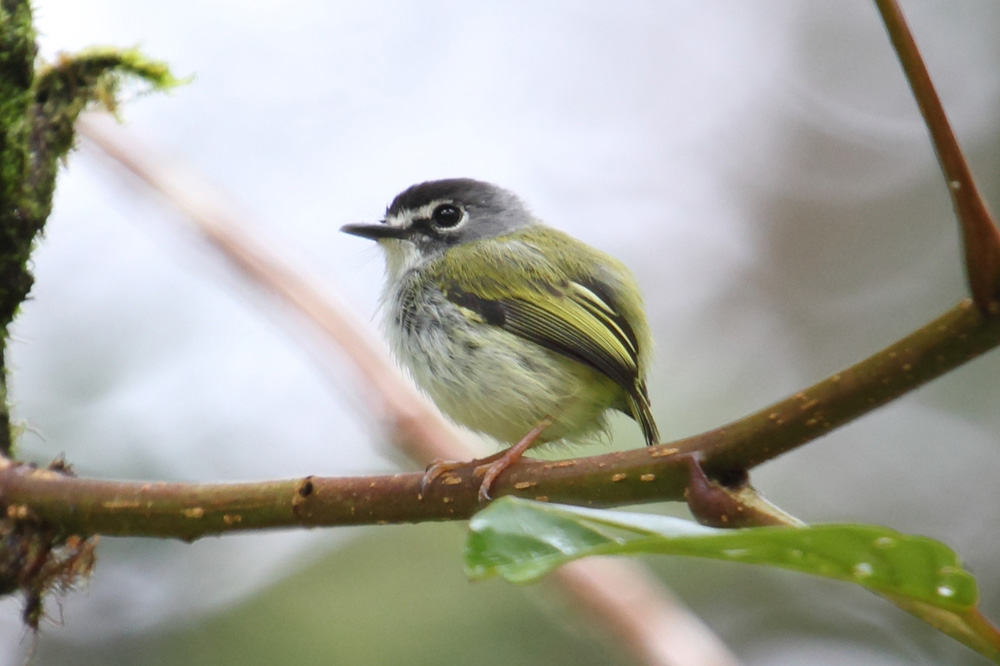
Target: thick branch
17, 227
190, 511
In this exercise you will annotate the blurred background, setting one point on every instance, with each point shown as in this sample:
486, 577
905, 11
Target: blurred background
762, 168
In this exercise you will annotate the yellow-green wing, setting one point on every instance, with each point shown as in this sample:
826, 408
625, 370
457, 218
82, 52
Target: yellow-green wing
556, 299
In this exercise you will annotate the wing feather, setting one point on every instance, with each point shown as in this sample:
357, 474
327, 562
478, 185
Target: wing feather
579, 317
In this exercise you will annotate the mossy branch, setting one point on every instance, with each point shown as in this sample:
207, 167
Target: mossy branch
38, 107
37, 111
38, 132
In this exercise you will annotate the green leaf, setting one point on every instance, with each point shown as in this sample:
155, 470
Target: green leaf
523, 540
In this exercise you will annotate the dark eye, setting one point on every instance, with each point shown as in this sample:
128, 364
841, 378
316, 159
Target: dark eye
446, 216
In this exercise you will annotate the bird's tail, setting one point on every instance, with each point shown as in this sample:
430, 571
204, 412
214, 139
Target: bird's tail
641, 411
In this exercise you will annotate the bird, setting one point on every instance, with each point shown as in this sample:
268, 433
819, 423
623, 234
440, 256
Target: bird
515, 329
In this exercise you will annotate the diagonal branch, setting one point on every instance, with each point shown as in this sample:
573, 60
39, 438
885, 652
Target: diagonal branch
980, 236
645, 475
412, 423
622, 599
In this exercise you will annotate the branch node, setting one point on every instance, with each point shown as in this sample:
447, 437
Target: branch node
38, 557
303, 491
305, 488
729, 501
710, 501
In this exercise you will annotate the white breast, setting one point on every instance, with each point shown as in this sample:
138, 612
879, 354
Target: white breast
482, 376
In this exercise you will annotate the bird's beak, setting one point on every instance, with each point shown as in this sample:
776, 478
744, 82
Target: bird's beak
376, 231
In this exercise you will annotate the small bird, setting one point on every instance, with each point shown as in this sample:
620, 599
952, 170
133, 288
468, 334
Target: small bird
514, 329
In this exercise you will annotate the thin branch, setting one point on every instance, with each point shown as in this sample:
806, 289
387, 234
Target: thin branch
980, 236
657, 473
611, 592
658, 628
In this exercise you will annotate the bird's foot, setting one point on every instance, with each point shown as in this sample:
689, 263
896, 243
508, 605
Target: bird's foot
489, 467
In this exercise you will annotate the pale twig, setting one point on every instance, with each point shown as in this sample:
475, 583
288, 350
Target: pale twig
623, 598
415, 426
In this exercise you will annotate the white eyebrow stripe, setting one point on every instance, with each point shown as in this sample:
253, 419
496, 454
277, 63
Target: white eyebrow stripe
406, 217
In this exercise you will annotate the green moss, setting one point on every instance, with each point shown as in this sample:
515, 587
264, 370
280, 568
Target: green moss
37, 112
17, 57
38, 107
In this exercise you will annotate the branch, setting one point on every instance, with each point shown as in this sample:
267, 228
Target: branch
725, 453
37, 112
625, 603
414, 425
652, 474
980, 236
644, 475
17, 228
189, 511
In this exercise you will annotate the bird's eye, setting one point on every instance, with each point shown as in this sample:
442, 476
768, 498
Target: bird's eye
446, 216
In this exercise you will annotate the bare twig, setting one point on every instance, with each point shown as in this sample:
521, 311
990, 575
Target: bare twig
980, 236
